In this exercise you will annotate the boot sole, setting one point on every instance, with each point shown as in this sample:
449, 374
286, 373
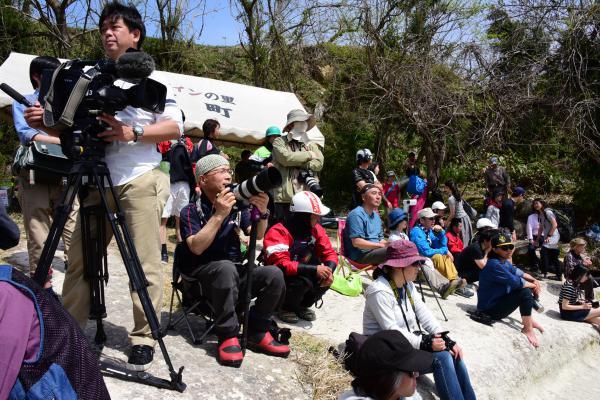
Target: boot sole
257, 349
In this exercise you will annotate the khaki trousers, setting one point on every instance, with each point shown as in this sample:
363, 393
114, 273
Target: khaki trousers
142, 201
444, 265
38, 202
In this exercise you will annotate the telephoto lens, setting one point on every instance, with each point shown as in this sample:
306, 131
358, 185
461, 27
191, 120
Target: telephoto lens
267, 179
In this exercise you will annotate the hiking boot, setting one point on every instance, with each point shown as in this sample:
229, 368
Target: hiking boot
229, 352
288, 316
464, 292
449, 288
140, 358
264, 343
164, 258
306, 314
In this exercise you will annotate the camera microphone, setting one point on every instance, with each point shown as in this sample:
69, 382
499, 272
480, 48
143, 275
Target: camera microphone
134, 65
19, 98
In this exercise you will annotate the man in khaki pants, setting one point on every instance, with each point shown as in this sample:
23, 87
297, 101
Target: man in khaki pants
142, 189
39, 194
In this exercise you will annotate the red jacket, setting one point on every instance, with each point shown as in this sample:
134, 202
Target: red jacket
277, 244
455, 243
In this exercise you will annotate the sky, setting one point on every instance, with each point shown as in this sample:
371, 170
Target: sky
220, 26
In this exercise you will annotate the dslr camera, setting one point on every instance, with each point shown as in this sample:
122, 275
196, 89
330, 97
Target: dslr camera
264, 181
78, 91
307, 178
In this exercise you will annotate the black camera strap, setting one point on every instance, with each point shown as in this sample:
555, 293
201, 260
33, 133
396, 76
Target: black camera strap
399, 300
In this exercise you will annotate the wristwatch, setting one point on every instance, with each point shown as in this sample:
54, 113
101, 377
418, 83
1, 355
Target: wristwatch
265, 215
138, 131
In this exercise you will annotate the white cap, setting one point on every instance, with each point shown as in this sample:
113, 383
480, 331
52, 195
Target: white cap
427, 213
485, 223
438, 205
308, 202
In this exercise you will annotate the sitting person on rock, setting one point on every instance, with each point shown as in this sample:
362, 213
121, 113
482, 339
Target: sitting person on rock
503, 288
387, 368
454, 236
301, 248
572, 306
393, 303
439, 209
432, 243
211, 253
474, 257
576, 256
363, 235
397, 223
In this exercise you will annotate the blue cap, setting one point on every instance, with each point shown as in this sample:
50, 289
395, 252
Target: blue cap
518, 191
395, 216
494, 160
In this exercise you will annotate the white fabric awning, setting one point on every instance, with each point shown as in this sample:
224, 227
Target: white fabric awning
244, 112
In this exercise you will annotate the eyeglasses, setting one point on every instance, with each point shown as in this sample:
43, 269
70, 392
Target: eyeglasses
506, 247
430, 219
417, 264
221, 171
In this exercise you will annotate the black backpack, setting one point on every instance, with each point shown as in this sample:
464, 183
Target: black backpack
350, 356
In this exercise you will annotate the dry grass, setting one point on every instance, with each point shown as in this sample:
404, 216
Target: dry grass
319, 372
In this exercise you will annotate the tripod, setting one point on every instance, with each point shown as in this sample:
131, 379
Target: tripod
90, 172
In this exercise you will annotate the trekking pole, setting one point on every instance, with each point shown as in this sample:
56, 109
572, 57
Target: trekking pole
435, 297
254, 216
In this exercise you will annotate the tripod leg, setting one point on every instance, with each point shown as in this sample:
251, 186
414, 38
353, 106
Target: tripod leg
61, 214
435, 297
134, 269
248, 289
95, 264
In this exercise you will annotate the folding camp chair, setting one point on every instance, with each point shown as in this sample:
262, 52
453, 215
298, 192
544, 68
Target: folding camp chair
192, 302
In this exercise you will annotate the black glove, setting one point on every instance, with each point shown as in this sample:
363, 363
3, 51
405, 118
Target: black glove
449, 342
331, 265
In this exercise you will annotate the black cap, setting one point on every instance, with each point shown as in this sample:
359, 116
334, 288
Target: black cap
500, 240
388, 351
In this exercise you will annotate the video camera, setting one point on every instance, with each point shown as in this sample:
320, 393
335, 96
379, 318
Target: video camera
73, 96
307, 177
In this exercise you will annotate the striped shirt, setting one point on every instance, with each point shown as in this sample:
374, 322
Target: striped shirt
568, 292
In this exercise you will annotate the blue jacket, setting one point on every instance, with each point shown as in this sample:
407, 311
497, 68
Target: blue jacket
429, 243
496, 280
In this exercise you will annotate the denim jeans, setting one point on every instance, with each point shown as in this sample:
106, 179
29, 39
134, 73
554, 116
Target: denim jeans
451, 377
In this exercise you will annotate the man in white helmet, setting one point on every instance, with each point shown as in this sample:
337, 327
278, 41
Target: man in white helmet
301, 248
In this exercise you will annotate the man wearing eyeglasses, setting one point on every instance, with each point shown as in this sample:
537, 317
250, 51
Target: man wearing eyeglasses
503, 288
211, 253
431, 241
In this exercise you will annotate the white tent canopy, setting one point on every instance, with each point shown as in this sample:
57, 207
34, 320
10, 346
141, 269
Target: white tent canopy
244, 112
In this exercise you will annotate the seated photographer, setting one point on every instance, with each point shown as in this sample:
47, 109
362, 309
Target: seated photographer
40, 196
387, 368
141, 187
43, 353
293, 154
363, 235
393, 303
432, 243
301, 248
576, 256
503, 288
572, 307
474, 257
211, 253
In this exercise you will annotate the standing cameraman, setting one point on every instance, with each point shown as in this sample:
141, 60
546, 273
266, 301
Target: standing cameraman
39, 196
141, 187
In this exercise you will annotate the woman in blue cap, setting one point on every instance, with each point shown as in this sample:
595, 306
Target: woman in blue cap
263, 155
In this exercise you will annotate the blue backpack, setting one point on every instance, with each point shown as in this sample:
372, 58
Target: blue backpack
416, 185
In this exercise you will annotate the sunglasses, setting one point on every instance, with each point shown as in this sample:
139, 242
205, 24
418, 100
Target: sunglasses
411, 374
506, 247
